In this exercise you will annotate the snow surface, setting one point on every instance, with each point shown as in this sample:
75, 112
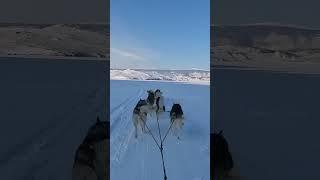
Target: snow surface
139, 159
271, 121
46, 109
162, 75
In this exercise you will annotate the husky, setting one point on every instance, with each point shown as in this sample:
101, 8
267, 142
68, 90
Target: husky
176, 118
222, 159
151, 97
159, 102
84, 165
151, 102
91, 156
139, 116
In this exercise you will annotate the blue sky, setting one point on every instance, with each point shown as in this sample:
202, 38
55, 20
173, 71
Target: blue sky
160, 34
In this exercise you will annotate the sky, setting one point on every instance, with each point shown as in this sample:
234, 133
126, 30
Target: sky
160, 34
53, 11
290, 12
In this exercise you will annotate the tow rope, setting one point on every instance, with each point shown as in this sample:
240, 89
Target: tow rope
160, 147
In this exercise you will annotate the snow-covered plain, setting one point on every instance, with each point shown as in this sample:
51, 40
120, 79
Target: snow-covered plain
194, 76
46, 109
139, 159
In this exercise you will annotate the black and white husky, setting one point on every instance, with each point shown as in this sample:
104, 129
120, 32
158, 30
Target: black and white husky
91, 156
84, 164
151, 98
155, 102
176, 118
222, 156
159, 102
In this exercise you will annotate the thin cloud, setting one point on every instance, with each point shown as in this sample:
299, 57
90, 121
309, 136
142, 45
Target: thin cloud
128, 54
129, 51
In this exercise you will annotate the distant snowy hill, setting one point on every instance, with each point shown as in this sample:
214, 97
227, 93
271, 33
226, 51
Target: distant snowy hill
265, 43
72, 40
166, 75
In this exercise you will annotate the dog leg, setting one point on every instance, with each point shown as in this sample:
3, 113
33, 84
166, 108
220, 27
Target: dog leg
179, 130
135, 124
150, 112
142, 124
144, 121
175, 129
144, 127
135, 131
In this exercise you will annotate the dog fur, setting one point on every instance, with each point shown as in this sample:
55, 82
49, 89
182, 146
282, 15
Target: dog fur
159, 102
91, 156
84, 165
177, 119
222, 159
151, 97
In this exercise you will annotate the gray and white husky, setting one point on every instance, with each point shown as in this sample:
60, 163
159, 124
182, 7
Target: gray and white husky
139, 117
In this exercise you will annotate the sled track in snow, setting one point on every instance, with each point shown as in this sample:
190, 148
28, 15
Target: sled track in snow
124, 106
121, 127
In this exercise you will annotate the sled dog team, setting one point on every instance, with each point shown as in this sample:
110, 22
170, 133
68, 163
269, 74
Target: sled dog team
154, 104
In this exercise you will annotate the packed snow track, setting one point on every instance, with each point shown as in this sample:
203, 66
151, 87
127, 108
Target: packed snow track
139, 158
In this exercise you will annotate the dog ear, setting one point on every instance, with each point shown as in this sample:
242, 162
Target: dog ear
221, 132
98, 120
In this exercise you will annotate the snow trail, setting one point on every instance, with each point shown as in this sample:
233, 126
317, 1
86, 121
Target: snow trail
121, 122
140, 159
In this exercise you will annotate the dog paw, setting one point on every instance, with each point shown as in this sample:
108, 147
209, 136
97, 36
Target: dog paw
179, 141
